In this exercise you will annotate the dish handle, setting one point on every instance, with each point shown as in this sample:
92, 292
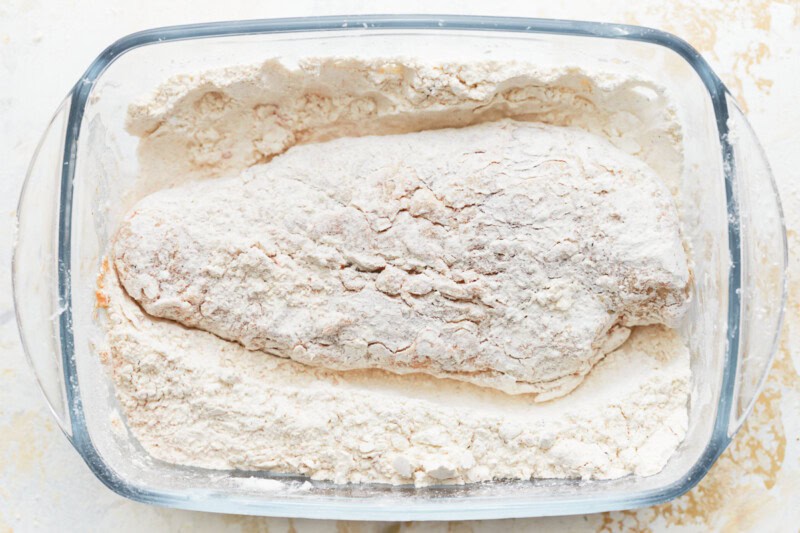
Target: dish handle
35, 266
764, 261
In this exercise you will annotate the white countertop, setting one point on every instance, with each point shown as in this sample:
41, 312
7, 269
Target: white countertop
45, 47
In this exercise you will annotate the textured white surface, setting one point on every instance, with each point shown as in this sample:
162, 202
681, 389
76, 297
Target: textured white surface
44, 48
212, 403
417, 269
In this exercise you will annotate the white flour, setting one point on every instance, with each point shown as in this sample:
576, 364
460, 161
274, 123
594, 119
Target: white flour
221, 122
192, 398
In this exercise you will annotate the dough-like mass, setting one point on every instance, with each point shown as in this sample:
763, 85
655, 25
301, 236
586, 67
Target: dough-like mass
511, 255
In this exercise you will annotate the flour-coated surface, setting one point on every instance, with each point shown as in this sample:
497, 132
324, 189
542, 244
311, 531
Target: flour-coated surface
510, 254
385, 214
192, 398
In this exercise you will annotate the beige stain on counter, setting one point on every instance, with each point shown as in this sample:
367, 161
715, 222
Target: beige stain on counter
700, 24
748, 469
19, 446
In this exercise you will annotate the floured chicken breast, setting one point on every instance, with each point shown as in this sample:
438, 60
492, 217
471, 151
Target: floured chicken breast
511, 255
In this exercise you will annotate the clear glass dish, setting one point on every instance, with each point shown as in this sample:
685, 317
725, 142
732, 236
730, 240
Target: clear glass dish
69, 208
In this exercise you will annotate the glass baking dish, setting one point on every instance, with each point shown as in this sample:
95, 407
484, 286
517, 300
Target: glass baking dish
73, 199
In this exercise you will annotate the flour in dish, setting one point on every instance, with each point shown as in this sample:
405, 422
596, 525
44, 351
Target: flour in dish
395, 307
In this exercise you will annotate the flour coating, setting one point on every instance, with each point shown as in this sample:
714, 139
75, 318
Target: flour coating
192, 398
508, 254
